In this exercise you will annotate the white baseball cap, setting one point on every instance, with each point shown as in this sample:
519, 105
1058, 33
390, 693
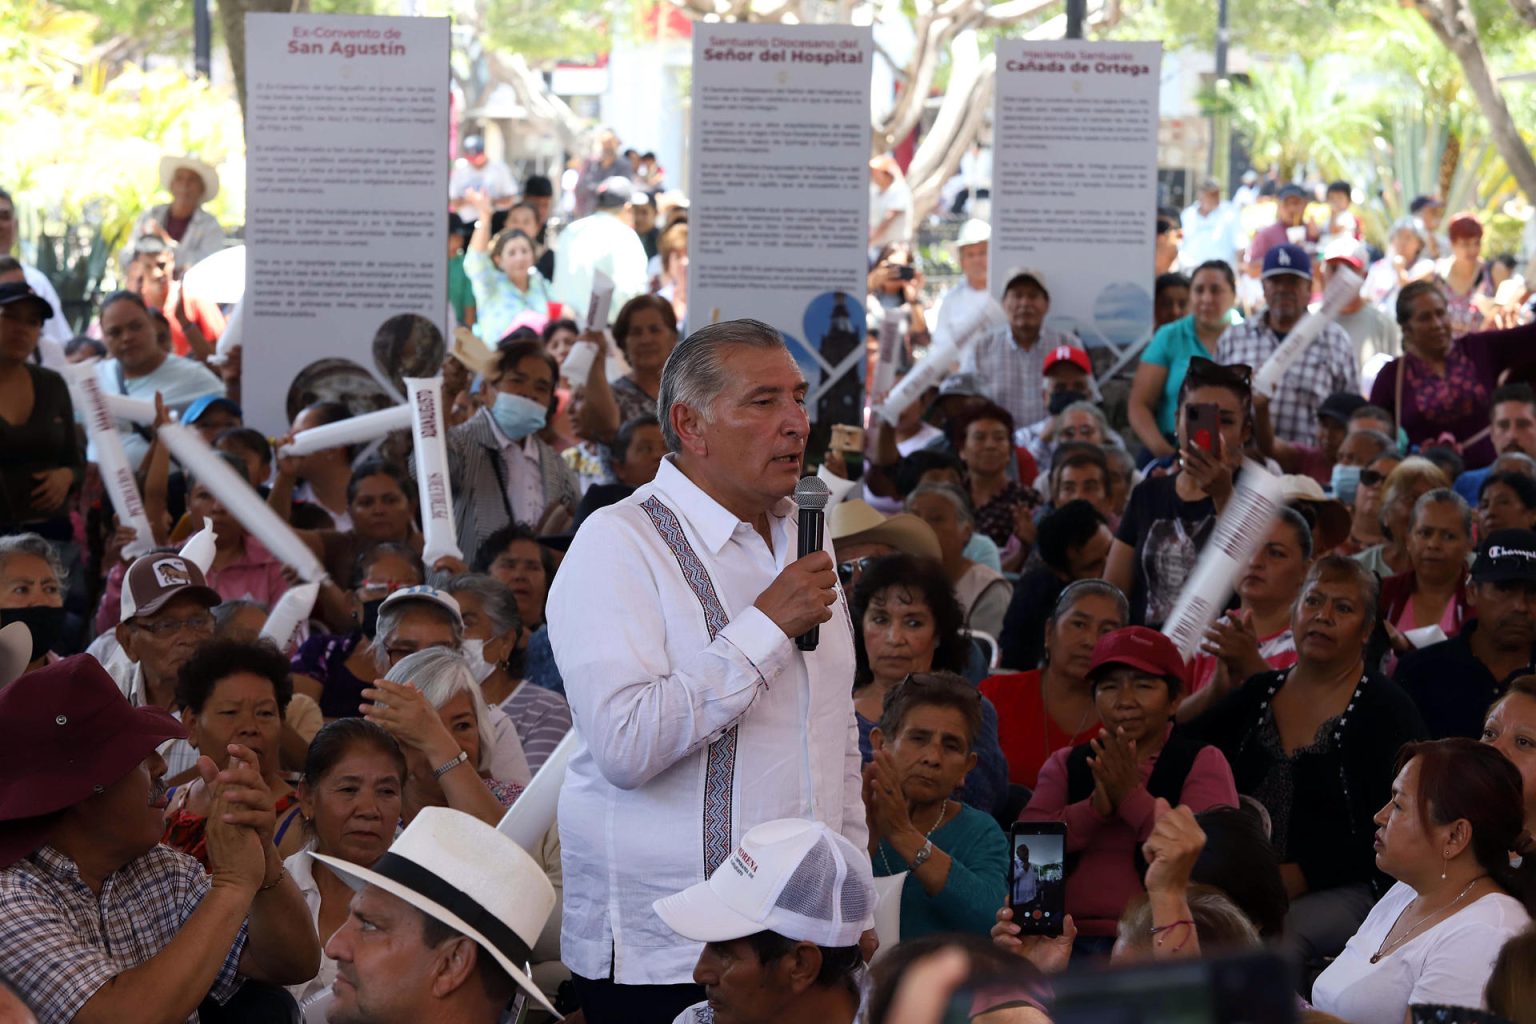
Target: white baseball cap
797, 878
429, 594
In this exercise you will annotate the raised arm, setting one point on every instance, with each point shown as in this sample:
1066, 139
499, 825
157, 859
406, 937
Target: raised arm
1146, 393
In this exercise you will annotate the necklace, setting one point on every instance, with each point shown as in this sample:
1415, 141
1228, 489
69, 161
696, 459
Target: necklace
1385, 948
1046, 721
943, 810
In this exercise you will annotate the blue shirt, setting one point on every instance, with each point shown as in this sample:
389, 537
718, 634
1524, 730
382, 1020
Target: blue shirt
1172, 347
977, 884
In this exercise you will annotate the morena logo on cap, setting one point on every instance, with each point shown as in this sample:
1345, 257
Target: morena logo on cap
743, 863
172, 572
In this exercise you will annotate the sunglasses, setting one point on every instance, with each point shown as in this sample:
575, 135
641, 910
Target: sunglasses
847, 570
1371, 477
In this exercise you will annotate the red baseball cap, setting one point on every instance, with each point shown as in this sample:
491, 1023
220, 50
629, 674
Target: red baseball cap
67, 733
1140, 648
1068, 354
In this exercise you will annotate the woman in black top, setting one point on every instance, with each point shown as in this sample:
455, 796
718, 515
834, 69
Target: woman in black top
40, 460
1169, 518
1316, 745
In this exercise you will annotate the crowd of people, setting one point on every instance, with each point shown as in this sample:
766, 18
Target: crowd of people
208, 812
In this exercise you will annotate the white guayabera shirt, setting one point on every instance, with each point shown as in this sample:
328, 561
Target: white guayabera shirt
698, 717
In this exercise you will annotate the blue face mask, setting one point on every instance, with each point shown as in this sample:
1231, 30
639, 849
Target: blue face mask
1346, 480
518, 416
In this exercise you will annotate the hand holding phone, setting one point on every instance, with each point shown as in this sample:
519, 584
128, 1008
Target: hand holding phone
1037, 876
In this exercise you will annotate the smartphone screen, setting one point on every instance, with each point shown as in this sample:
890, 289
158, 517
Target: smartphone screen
1037, 883
1203, 424
906, 273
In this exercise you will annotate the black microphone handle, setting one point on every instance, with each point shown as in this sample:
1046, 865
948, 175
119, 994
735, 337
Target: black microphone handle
811, 523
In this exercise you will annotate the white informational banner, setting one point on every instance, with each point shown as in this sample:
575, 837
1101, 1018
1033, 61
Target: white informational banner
779, 225
346, 210
1074, 182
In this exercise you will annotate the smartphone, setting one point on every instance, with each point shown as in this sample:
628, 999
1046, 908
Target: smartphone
1203, 425
846, 438
1037, 876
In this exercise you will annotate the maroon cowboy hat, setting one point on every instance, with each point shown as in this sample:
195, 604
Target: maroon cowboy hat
66, 734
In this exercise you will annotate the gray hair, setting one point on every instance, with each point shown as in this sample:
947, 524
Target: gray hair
37, 547
694, 374
1444, 496
1218, 922
1408, 224
1343, 568
1075, 592
1384, 444
1523, 463
1120, 460
1094, 410
389, 623
950, 493
441, 675
224, 613
496, 598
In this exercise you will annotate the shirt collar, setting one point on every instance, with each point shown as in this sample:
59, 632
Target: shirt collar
505, 442
714, 522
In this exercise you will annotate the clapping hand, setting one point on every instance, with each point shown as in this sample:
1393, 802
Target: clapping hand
884, 802
1115, 771
1234, 642
240, 821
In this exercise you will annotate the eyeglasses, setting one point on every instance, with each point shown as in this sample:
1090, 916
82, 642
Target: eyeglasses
1371, 477
846, 571
166, 628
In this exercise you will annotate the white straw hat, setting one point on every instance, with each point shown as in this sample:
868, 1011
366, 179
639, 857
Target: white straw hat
458, 870
796, 878
169, 165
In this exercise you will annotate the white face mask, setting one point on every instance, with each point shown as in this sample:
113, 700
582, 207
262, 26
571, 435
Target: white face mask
474, 653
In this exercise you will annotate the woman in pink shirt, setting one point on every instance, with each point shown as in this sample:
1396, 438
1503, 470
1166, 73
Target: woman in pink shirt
1106, 790
242, 567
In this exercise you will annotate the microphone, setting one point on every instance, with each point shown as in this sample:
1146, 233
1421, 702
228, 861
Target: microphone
811, 495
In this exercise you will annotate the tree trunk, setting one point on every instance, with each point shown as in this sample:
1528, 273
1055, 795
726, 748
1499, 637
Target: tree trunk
1454, 23
232, 20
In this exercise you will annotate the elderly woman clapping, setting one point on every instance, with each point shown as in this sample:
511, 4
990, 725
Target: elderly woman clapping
430, 703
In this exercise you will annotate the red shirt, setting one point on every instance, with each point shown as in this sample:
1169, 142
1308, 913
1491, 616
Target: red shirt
1026, 733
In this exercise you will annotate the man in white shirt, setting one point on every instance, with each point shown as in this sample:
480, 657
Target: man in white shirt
56, 332
1213, 230
1377, 337
961, 302
601, 242
672, 621
139, 367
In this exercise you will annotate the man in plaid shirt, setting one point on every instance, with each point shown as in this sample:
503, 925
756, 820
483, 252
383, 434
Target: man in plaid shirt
98, 921
1010, 361
1327, 366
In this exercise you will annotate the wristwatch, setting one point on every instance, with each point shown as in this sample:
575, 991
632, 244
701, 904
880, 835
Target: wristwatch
923, 854
449, 766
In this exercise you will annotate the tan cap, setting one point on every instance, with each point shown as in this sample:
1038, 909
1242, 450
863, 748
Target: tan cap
857, 522
1332, 518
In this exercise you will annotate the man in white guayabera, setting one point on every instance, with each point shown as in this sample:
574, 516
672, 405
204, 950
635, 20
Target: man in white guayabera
673, 621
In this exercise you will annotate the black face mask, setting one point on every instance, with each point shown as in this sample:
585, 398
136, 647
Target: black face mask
46, 625
371, 617
1061, 399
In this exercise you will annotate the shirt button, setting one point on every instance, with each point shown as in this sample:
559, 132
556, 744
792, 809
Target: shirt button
61, 720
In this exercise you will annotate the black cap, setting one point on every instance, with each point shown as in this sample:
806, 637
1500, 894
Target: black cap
1340, 406
1506, 556
20, 291
538, 187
